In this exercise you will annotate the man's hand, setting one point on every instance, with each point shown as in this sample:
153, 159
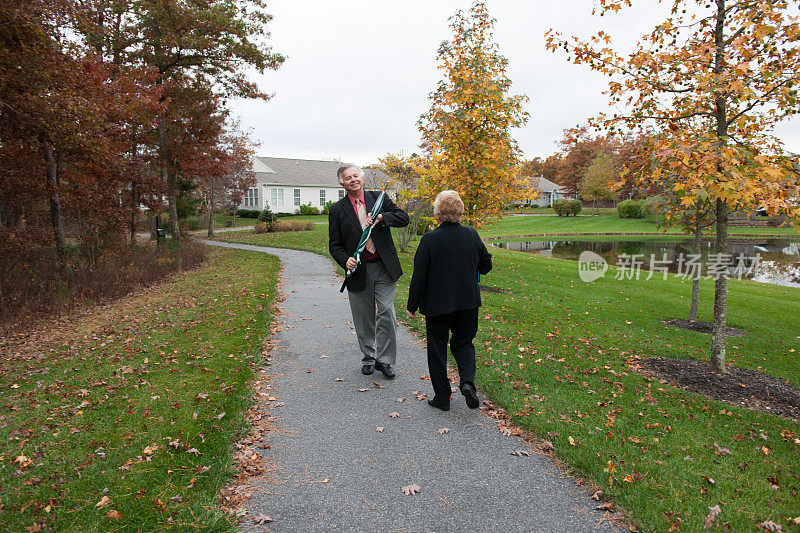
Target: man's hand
409, 314
351, 263
377, 221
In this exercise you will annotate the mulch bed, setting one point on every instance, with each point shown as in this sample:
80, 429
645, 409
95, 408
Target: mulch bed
702, 327
745, 388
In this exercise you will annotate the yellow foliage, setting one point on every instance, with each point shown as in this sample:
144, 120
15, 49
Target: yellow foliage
467, 130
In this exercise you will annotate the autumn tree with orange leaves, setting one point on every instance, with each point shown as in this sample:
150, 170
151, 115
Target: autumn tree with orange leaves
710, 82
466, 132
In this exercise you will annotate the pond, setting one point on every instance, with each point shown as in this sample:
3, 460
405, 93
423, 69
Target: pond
775, 261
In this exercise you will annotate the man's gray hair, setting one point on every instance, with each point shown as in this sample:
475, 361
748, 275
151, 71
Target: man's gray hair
344, 167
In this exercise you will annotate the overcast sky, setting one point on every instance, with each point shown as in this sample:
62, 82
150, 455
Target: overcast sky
358, 73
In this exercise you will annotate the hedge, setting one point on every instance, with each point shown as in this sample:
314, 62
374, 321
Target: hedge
631, 209
564, 207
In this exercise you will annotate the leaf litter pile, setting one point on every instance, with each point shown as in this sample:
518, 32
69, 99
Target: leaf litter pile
124, 417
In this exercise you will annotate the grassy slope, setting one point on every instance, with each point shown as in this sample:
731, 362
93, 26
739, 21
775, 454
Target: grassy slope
110, 402
609, 223
555, 353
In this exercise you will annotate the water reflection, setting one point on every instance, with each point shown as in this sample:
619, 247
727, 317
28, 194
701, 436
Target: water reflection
774, 261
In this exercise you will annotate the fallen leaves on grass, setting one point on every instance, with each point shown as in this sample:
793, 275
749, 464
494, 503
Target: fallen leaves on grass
105, 500
411, 489
114, 515
713, 512
769, 525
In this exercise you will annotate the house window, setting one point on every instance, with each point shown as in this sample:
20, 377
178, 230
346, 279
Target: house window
276, 197
251, 198
322, 197
297, 197
341, 194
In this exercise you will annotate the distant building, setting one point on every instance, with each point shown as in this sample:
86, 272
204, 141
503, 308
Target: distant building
284, 184
548, 192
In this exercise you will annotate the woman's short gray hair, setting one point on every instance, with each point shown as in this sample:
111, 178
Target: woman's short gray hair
344, 167
448, 206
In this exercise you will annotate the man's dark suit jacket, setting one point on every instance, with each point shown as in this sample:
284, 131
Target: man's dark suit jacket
447, 265
344, 232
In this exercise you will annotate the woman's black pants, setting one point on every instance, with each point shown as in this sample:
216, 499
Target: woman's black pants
464, 325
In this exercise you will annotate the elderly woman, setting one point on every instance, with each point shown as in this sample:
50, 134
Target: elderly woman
444, 287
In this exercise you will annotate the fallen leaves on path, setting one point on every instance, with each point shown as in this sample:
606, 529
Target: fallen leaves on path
442, 431
379, 429
363, 390
520, 453
411, 489
261, 519
394, 415
378, 385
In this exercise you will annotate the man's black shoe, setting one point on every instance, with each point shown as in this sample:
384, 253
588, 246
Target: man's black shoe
367, 369
438, 405
386, 369
468, 390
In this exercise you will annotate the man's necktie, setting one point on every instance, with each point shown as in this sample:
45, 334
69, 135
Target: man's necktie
361, 210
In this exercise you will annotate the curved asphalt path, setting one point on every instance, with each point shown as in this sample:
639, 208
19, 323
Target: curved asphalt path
468, 479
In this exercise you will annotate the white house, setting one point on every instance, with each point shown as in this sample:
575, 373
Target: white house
284, 184
548, 192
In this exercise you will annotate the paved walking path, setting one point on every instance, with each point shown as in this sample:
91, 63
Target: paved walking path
336, 472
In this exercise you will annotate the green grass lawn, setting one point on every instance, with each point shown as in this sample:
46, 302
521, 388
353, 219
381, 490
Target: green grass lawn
125, 417
550, 211
556, 354
220, 220
607, 223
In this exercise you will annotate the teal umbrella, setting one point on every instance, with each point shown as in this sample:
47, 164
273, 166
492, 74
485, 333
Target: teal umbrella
362, 243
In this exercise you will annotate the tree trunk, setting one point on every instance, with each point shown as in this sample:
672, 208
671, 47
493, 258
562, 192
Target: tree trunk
166, 162
720, 293
55, 202
211, 212
693, 308
134, 194
134, 212
721, 282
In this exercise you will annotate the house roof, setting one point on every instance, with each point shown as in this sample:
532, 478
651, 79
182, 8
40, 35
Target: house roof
307, 172
545, 185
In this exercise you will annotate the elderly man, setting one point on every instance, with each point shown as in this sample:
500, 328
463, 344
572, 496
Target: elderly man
371, 288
